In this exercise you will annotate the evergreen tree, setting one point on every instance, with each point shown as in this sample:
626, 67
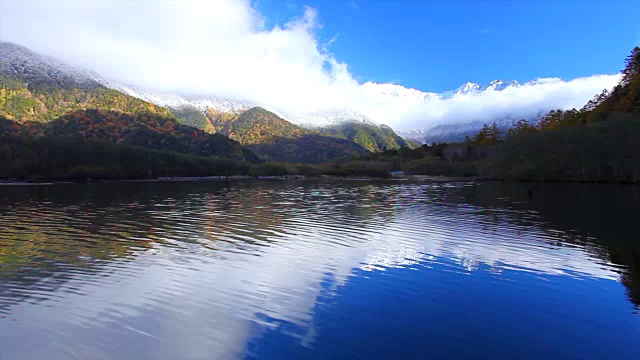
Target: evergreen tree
632, 68
595, 101
520, 128
495, 135
552, 120
482, 136
488, 135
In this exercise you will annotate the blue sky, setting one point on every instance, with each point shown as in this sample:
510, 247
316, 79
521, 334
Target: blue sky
436, 46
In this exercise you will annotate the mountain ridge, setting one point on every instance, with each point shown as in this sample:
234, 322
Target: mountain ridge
29, 64
17, 54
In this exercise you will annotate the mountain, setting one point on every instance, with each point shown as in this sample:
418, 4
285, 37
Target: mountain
254, 126
308, 148
144, 130
192, 110
377, 91
22, 63
458, 132
275, 138
446, 132
222, 115
176, 101
47, 98
50, 98
260, 126
372, 137
499, 85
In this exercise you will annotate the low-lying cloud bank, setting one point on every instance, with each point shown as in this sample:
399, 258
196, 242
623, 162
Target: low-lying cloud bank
223, 48
526, 101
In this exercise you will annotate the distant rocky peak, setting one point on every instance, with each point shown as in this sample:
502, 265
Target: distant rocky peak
467, 87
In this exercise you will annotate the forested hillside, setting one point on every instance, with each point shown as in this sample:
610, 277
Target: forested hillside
34, 87
54, 128
254, 126
372, 137
55, 106
46, 100
144, 129
596, 143
275, 138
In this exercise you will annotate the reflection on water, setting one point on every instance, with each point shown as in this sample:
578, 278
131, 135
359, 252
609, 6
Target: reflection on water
319, 270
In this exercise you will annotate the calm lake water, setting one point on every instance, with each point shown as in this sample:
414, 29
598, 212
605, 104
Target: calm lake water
329, 270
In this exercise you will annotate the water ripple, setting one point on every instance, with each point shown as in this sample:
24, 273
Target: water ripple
188, 268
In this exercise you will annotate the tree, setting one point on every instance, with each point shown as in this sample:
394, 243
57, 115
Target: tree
488, 135
595, 101
522, 127
482, 136
552, 120
632, 68
495, 135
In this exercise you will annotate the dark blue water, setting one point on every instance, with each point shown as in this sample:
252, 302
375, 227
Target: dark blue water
319, 270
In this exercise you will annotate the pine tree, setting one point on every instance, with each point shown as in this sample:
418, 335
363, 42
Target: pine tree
483, 136
520, 128
632, 68
488, 135
495, 135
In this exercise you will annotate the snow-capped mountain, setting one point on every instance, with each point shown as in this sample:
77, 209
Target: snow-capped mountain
330, 117
20, 61
381, 92
457, 132
176, 101
499, 85
377, 91
466, 88
203, 103
447, 132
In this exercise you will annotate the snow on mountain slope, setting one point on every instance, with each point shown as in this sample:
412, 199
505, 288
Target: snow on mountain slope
176, 101
330, 117
391, 91
457, 132
17, 60
381, 92
447, 132
499, 85
20, 61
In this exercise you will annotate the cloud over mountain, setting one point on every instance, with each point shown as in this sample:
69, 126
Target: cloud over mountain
223, 48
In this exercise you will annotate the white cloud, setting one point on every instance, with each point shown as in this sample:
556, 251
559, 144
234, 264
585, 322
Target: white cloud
521, 102
223, 48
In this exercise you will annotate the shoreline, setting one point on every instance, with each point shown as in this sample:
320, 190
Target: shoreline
237, 178
246, 178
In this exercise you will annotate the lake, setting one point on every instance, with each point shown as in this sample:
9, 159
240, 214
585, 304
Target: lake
312, 269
